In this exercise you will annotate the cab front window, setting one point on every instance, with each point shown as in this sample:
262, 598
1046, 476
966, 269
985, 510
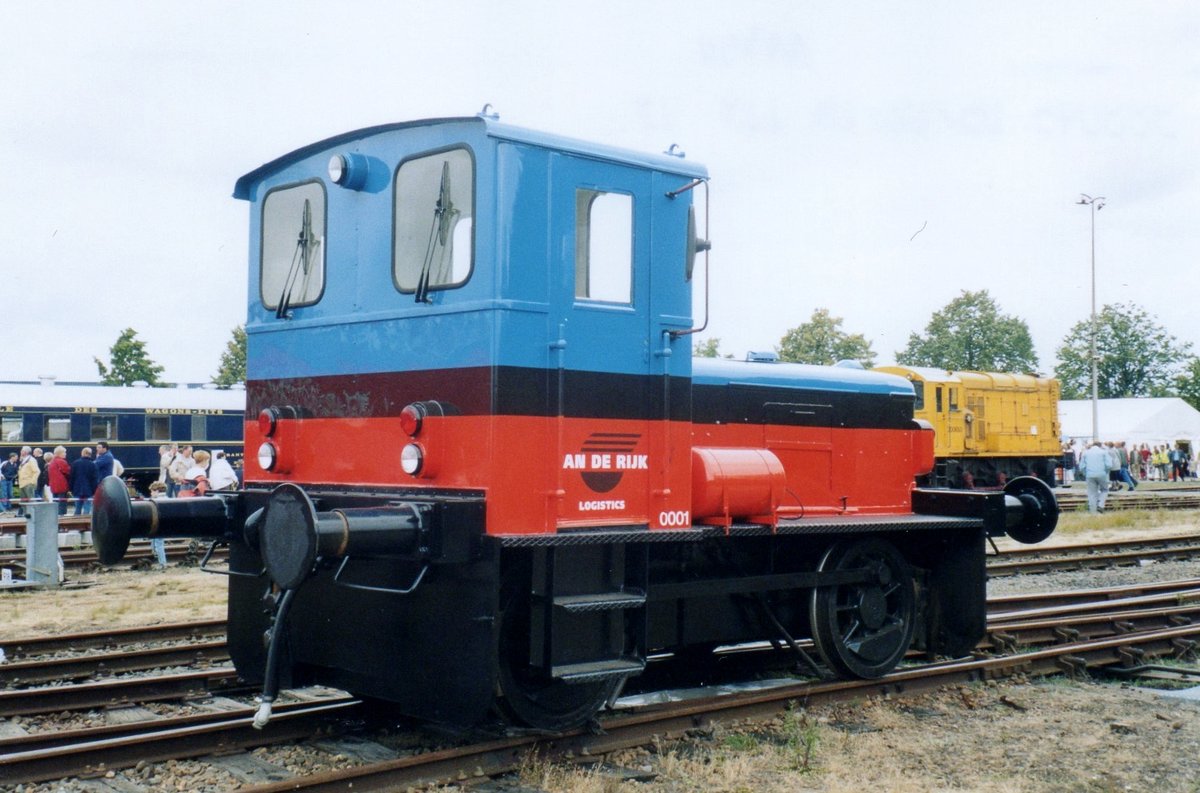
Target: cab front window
434, 222
293, 247
919, 391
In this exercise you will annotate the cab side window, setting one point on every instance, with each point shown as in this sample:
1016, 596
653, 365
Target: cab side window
604, 246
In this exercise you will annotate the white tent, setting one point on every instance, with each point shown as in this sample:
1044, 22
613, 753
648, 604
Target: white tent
1154, 422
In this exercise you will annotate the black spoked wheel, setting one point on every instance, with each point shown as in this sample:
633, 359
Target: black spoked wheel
863, 630
528, 695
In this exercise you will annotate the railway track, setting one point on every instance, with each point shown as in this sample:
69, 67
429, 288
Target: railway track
647, 725
1071, 501
84, 558
1113, 553
13, 525
1034, 635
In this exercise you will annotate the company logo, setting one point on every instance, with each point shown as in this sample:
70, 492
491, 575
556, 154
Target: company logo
604, 458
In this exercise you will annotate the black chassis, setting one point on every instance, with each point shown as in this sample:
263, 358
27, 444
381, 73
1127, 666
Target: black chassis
628, 593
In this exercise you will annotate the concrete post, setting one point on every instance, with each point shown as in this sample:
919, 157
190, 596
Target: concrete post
41, 544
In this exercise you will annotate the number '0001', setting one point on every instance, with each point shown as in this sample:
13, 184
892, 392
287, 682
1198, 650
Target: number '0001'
675, 518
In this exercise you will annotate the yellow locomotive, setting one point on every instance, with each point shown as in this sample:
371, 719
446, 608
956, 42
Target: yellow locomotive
989, 427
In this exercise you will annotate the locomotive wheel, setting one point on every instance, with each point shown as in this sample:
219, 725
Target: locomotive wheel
863, 630
527, 695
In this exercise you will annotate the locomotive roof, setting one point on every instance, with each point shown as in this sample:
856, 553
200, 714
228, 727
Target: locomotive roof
492, 128
32, 395
932, 374
717, 371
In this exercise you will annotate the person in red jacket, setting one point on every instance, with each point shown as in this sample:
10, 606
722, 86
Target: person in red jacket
60, 478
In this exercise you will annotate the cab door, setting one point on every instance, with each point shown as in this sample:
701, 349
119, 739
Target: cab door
609, 380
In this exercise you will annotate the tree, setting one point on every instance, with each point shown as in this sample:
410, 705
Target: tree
1188, 383
970, 333
821, 340
233, 360
1135, 356
709, 348
129, 363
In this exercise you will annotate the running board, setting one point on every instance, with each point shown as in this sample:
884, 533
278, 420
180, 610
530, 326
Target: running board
602, 601
591, 671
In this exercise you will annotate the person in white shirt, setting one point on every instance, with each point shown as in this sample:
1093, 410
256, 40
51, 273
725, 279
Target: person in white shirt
1093, 466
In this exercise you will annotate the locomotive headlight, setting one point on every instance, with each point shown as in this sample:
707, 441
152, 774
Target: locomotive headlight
412, 457
337, 168
266, 421
266, 456
349, 170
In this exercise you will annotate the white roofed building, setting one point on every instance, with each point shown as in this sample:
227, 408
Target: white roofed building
1153, 421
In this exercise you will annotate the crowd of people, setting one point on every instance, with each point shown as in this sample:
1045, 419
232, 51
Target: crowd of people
34, 475
184, 472
1114, 465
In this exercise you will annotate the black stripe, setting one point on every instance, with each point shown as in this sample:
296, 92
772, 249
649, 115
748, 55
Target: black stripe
520, 391
736, 404
478, 391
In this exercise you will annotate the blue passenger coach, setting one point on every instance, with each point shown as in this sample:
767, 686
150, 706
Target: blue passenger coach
134, 421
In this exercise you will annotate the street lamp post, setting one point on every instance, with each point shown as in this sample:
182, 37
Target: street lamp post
1096, 204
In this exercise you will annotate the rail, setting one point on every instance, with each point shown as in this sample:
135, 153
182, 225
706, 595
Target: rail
1120, 631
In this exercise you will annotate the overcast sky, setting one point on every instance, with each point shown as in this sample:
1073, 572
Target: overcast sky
834, 133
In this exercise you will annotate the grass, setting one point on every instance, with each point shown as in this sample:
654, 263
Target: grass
802, 737
740, 742
1141, 519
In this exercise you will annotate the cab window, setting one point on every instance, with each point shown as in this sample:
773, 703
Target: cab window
919, 391
953, 399
293, 246
604, 246
433, 220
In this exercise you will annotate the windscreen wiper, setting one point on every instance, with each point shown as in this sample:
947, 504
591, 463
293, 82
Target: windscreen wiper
439, 234
306, 248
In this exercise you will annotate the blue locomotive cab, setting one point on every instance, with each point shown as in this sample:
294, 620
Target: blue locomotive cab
471, 269
480, 323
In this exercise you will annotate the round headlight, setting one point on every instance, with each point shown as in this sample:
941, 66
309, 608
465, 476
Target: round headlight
411, 459
266, 421
337, 168
266, 456
350, 170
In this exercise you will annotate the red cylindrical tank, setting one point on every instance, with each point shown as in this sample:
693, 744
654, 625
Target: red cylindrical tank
731, 484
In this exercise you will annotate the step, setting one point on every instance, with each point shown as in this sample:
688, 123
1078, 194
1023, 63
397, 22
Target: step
590, 671
601, 601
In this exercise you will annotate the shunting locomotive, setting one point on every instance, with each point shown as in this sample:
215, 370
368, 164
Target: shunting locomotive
491, 479
989, 427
